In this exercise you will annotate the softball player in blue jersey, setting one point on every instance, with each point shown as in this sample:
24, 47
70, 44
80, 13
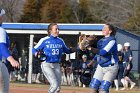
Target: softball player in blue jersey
107, 61
4, 52
53, 47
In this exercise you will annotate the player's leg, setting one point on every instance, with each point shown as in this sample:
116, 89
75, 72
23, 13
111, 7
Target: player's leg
58, 76
123, 83
116, 81
126, 73
38, 72
116, 84
105, 86
128, 79
37, 78
48, 71
110, 74
4, 79
96, 80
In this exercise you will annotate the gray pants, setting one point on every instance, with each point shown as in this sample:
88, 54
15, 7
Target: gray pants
106, 73
4, 78
53, 73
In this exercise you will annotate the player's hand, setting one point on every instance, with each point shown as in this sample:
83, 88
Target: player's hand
94, 50
89, 48
82, 37
88, 65
128, 67
13, 62
81, 46
84, 44
36, 54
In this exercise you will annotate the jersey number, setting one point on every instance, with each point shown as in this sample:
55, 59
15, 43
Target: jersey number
55, 51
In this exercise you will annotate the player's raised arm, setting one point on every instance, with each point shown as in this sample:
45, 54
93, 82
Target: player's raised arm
38, 46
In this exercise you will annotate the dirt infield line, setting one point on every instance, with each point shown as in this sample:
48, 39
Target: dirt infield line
41, 88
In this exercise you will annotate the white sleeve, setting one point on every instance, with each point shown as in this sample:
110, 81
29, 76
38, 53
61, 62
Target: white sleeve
2, 36
109, 45
40, 42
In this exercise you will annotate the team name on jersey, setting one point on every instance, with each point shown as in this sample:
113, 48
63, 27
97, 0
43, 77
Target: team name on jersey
54, 46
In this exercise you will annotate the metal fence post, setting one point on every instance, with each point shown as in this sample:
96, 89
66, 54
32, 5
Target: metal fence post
30, 59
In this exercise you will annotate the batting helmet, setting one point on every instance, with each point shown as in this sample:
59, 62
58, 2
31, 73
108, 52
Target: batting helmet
85, 78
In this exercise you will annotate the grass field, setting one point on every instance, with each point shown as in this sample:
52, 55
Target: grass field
42, 88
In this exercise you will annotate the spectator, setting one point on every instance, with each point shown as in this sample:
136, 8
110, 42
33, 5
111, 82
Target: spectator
36, 69
127, 62
85, 69
121, 68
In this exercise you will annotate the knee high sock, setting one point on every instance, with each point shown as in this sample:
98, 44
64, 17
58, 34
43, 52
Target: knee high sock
116, 83
37, 77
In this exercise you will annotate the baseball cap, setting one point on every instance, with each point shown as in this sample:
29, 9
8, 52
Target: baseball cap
84, 56
2, 12
127, 44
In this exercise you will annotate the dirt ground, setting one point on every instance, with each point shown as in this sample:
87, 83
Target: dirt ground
42, 88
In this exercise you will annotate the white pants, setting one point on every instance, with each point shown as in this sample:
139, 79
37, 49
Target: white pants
53, 73
64, 79
70, 79
106, 73
4, 78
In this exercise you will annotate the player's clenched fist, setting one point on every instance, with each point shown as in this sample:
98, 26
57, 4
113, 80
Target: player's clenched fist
13, 62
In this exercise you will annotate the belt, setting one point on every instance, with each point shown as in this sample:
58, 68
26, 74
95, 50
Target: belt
111, 65
53, 62
108, 65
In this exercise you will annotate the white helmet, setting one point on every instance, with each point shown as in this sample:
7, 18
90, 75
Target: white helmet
127, 44
119, 47
2, 12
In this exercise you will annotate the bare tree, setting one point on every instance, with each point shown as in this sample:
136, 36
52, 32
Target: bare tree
80, 10
74, 5
113, 11
13, 9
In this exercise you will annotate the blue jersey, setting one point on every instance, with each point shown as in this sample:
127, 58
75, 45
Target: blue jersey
107, 51
127, 54
4, 44
53, 48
